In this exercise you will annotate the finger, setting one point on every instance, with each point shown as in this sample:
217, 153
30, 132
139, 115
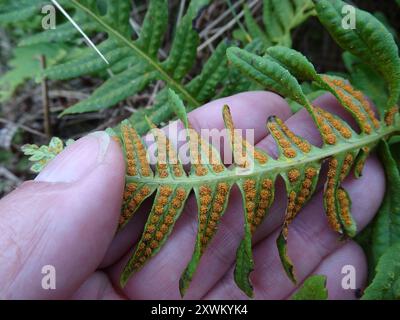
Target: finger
250, 110
66, 218
310, 238
342, 282
268, 287
97, 287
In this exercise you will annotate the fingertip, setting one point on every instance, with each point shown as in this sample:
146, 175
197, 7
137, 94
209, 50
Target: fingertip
65, 219
103, 188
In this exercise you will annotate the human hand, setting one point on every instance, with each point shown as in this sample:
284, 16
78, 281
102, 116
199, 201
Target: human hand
68, 215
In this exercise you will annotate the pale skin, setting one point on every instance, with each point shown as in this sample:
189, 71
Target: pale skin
68, 215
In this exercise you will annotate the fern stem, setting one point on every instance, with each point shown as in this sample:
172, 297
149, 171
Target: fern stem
170, 81
276, 166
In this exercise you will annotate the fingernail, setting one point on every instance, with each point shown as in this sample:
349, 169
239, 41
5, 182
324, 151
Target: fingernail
77, 160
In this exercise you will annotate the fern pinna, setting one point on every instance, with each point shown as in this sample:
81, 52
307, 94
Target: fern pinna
299, 162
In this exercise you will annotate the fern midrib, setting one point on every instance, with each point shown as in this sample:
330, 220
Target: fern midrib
276, 166
178, 86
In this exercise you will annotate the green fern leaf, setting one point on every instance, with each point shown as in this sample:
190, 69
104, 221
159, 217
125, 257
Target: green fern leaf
22, 10
366, 80
370, 41
213, 72
172, 70
64, 32
296, 63
146, 47
153, 28
41, 156
135, 64
267, 73
202, 87
234, 81
281, 16
88, 62
212, 198
25, 65
254, 172
386, 284
169, 200
15, 11
253, 28
117, 88
313, 288
386, 227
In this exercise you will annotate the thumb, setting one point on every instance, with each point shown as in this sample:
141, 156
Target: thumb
65, 218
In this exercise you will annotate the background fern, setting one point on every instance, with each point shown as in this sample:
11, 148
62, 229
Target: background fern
134, 65
132, 73
279, 20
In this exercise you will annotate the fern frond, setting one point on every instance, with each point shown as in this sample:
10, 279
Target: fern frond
280, 17
144, 49
253, 28
385, 284
298, 164
63, 37
14, 11
41, 156
370, 41
88, 62
19, 10
117, 15
65, 31
25, 65
203, 87
137, 65
386, 227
